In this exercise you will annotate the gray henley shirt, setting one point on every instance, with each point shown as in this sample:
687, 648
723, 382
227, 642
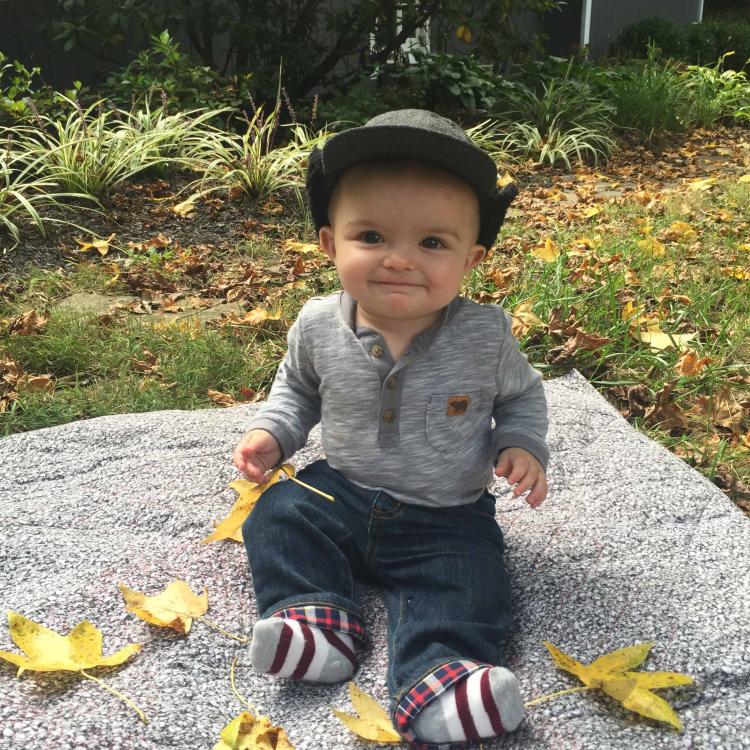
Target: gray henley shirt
426, 429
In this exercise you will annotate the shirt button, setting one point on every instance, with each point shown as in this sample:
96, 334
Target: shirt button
389, 415
377, 351
392, 383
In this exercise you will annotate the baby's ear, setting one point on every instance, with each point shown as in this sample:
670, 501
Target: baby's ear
475, 256
325, 235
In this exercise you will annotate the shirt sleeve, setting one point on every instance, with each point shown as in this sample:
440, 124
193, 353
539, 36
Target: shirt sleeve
293, 405
520, 408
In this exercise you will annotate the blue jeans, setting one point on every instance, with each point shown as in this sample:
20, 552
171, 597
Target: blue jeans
441, 572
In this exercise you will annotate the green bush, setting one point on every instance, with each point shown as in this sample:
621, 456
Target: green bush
648, 96
634, 40
165, 68
698, 43
15, 88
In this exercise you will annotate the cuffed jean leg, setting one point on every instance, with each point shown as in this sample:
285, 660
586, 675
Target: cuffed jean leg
448, 599
302, 550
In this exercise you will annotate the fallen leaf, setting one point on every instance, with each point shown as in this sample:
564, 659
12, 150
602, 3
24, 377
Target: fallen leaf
372, 722
651, 246
690, 364
47, 651
102, 246
679, 231
231, 526
27, 324
705, 184
658, 339
260, 315
223, 399
611, 674
665, 413
548, 252
524, 320
174, 608
721, 409
245, 732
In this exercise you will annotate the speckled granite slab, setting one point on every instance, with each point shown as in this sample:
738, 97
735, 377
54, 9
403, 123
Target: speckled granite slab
631, 545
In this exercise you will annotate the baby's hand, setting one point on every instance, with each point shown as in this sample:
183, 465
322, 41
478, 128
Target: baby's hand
256, 453
518, 465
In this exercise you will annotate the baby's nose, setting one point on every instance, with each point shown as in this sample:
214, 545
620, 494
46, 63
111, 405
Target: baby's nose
399, 260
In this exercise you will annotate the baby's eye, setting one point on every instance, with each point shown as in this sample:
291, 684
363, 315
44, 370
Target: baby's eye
432, 243
370, 237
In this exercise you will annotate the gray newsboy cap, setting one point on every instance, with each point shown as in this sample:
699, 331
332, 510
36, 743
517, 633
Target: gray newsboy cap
411, 134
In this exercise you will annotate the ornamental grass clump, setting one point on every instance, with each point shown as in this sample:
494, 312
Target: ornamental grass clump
92, 150
250, 162
562, 120
24, 194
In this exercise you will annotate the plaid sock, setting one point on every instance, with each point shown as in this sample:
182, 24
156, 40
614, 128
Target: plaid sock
292, 648
485, 704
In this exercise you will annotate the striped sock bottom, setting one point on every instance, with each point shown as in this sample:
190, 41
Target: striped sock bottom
293, 649
485, 704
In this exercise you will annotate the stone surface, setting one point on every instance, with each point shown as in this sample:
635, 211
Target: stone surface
631, 545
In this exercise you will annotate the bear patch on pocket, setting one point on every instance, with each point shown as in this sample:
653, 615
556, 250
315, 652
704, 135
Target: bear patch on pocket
457, 405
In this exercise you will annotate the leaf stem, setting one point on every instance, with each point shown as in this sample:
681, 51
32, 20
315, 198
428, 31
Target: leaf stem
213, 625
241, 698
549, 696
112, 690
307, 486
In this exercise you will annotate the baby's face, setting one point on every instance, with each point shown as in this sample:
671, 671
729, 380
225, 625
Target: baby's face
402, 238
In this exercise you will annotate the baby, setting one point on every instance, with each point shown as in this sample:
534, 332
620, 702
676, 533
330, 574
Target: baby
420, 394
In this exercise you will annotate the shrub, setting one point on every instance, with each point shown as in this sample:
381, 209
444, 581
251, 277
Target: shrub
648, 96
559, 119
15, 87
165, 68
698, 43
715, 95
668, 38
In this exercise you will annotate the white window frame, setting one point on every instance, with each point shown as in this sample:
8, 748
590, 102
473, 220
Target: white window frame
420, 40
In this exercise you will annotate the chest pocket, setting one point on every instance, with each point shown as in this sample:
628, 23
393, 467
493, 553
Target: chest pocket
457, 419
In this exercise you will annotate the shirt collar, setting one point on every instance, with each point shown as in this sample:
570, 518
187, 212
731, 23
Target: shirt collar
421, 342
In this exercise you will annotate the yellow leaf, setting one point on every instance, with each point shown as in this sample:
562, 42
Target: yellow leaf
245, 732
301, 247
523, 319
47, 651
744, 178
680, 230
623, 658
629, 310
260, 315
506, 179
591, 212
186, 207
651, 246
174, 608
464, 34
657, 339
102, 246
372, 723
549, 252
705, 184
610, 674
231, 526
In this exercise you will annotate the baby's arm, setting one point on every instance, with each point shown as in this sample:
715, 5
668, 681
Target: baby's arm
256, 454
282, 423
520, 415
518, 465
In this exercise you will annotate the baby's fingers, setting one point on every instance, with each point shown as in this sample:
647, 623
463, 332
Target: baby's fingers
537, 495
